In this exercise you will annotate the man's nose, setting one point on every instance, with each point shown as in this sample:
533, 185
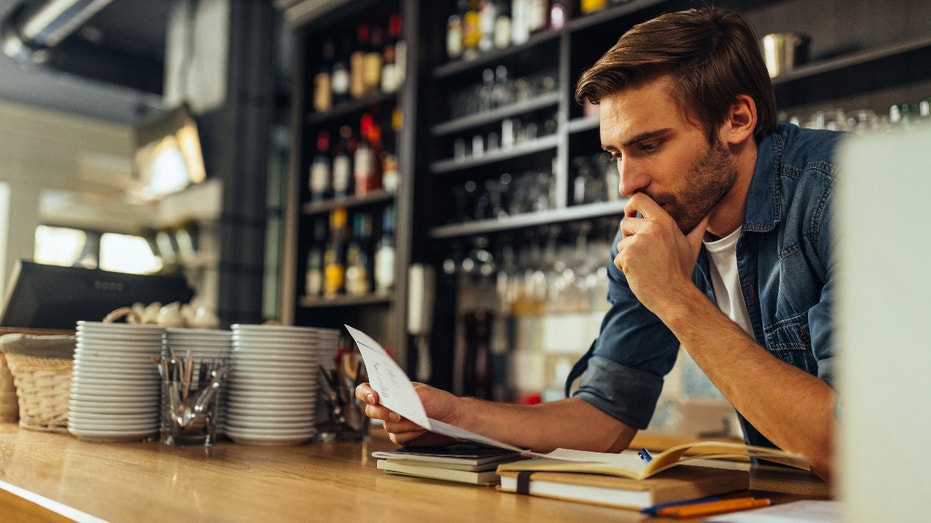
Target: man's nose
632, 178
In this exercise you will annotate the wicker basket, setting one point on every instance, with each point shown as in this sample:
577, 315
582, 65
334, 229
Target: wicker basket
9, 408
43, 387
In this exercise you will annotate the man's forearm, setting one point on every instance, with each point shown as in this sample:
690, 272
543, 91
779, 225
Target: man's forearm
792, 408
567, 423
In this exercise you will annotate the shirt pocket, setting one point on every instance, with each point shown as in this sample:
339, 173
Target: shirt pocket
790, 340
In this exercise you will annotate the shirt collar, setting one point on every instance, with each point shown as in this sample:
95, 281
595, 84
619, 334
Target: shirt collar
764, 197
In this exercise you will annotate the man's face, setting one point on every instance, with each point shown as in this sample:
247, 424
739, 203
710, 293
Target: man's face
660, 153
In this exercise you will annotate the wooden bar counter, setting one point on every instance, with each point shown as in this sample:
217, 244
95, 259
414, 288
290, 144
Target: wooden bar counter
56, 477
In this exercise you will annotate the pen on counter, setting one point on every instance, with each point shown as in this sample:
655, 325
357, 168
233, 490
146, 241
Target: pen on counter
712, 507
656, 508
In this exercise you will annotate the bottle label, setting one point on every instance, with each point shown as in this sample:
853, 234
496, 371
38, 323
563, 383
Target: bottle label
341, 174
314, 284
371, 73
340, 82
319, 178
323, 92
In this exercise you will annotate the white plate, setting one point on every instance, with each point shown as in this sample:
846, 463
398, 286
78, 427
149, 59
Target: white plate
111, 436
118, 347
281, 407
98, 408
148, 426
270, 383
272, 343
118, 327
270, 425
269, 329
268, 441
85, 418
114, 399
114, 373
237, 393
119, 355
274, 359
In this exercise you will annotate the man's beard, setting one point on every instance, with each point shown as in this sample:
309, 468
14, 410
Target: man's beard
709, 180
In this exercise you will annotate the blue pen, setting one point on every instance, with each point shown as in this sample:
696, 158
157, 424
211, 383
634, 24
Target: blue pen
655, 508
645, 455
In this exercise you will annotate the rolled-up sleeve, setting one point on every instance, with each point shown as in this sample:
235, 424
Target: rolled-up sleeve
622, 373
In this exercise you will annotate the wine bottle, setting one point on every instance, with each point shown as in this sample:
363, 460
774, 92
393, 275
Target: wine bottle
471, 30
454, 37
384, 254
320, 169
394, 57
366, 158
372, 64
359, 256
313, 279
357, 62
334, 258
487, 16
323, 81
339, 78
342, 163
390, 175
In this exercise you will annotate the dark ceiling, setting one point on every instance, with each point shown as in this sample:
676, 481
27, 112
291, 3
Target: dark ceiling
111, 67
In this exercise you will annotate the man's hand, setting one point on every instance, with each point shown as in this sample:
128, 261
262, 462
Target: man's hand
657, 258
438, 405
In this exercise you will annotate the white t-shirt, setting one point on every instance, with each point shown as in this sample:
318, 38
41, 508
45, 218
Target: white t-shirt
722, 260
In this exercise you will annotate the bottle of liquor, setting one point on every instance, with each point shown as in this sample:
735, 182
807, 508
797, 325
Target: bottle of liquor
320, 169
538, 15
342, 163
384, 254
357, 62
471, 29
373, 61
323, 82
359, 256
590, 6
339, 78
520, 28
390, 175
366, 158
454, 37
487, 16
400, 48
313, 282
502, 37
334, 258
394, 57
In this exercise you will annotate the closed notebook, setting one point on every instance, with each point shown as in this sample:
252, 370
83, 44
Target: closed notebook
409, 468
677, 484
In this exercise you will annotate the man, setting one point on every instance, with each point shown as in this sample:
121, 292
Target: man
724, 248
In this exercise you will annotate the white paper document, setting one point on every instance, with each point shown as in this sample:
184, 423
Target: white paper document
396, 392
803, 511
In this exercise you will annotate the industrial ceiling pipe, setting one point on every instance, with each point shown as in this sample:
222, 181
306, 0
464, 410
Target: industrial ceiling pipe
31, 30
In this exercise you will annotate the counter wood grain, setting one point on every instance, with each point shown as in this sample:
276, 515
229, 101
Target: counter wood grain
55, 477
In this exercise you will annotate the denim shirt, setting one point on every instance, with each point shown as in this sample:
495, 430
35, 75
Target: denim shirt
785, 263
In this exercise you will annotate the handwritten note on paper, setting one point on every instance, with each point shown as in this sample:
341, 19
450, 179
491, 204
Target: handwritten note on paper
394, 389
396, 392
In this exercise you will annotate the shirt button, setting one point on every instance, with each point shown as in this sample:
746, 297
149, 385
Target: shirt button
804, 336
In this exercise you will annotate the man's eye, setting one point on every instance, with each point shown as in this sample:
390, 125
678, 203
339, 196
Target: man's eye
613, 157
650, 146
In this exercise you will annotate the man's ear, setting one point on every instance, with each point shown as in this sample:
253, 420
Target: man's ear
741, 121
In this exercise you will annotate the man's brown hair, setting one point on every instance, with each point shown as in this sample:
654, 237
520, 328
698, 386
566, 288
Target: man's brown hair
712, 54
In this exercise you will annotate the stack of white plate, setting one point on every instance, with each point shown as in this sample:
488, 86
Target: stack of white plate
273, 385
203, 344
115, 386
328, 346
